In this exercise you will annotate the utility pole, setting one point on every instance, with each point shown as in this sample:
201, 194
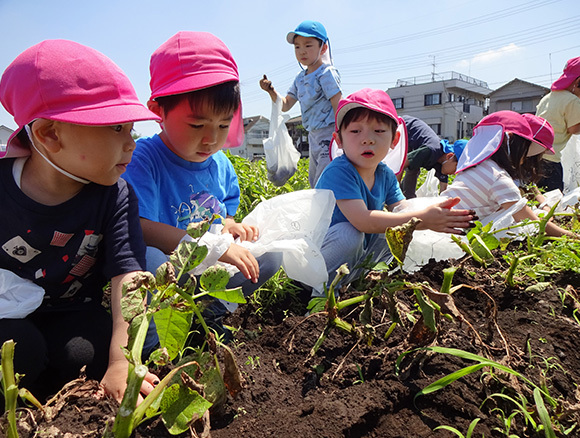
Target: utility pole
433, 64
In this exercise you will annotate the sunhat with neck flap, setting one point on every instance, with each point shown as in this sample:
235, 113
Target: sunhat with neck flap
379, 101
191, 61
68, 82
570, 74
489, 133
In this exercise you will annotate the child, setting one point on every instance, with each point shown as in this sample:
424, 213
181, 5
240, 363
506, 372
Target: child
317, 89
69, 223
427, 151
561, 107
504, 148
366, 124
181, 175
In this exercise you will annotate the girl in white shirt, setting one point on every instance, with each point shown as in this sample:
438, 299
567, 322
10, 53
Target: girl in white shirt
506, 147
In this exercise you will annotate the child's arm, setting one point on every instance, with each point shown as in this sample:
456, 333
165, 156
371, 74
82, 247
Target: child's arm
166, 238
334, 101
243, 231
115, 380
439, 217
527, 213
287, 102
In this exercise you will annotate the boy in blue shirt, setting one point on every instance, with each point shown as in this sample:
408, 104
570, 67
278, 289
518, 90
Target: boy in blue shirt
181, 175
366, 124
317, 89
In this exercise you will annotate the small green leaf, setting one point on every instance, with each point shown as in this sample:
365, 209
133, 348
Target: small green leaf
232, 295
427, 310
214, 278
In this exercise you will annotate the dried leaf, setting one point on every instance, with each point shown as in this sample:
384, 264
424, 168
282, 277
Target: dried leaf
232, 375
399, 238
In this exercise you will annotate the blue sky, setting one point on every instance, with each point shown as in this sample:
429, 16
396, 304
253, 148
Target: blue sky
373, 42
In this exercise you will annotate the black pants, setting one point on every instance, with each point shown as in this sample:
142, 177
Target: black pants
553, 176
52, 347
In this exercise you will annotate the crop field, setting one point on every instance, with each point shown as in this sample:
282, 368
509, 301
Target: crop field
487, 345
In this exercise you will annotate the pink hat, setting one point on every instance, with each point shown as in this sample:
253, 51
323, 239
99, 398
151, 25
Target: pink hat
190, 61
68, 82
543, 135
571, 73
375, 100
379, 101
488, 136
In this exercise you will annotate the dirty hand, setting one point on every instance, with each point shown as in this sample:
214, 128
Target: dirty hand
441, 217
266, 84
114, 381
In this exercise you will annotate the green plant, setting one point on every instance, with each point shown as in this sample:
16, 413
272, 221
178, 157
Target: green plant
469, 432
9, 385
174, 304
255, 186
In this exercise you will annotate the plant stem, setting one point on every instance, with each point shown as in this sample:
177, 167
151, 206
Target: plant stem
448, 274
9, 385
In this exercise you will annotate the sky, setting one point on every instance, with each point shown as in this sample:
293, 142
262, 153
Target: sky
373, 42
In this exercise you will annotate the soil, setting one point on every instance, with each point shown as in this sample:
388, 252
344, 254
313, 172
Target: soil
350, 387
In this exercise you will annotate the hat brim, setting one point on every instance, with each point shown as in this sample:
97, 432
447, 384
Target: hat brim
486, 140
396, 157
105, 116
537, 148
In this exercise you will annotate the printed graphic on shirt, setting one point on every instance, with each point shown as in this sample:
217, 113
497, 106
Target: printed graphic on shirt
60, 239
201, 206
19, 249
72, 290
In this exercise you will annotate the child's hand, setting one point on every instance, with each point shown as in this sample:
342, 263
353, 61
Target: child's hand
266, 84
114, 381
442, 218
245, 232
242, 259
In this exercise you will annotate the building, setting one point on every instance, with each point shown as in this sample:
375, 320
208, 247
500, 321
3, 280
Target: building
255, 132
299, 135
517, 95
5, 134
450, 103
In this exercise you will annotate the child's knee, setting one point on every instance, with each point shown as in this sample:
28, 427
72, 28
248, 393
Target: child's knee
154, 258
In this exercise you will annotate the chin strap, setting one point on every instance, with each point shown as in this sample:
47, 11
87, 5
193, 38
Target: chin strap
64, 172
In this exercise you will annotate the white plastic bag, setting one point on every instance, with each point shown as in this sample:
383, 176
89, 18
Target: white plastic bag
281, 155
294, 224
18, 297
571, 164
430, 187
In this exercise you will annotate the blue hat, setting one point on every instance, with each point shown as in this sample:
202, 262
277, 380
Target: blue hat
309, 29
455, 148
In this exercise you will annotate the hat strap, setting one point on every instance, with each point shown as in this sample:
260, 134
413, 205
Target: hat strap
64, 172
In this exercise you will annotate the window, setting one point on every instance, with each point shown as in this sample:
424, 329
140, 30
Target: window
466, 107
433, 99
517, 106
451, 97
436, 127
399, 102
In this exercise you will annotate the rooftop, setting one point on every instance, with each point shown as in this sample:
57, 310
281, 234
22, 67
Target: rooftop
437, 77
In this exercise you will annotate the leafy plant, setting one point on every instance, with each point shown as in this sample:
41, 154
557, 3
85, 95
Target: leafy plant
178, 403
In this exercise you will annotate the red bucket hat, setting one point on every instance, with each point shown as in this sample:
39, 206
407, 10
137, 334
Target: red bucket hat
65, 81
543, 135
190, 61
379, 101
570, 74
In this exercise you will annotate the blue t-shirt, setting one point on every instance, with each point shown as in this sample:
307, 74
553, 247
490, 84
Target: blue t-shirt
343, 179
175, 191
314, 91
